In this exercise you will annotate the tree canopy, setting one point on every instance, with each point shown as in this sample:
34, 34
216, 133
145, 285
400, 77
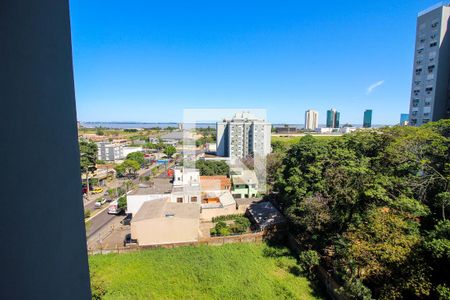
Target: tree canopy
137, 157
170, 150
211, 167
88, 156
374, 205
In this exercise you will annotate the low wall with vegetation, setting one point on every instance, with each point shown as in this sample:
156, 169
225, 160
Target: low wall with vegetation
256, 237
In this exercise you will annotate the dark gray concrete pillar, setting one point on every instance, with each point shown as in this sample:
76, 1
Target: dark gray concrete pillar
43, 247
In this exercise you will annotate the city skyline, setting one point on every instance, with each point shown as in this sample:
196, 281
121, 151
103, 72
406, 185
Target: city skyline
147, 62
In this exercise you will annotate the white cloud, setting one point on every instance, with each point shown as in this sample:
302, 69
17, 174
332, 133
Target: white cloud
374, 86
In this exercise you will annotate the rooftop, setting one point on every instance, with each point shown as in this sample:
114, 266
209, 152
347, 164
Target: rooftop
160, 186
431, 8
214, 183
246, 177
162, 208
186, 188
264, 214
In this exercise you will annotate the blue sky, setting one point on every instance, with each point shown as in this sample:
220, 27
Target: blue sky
146, 61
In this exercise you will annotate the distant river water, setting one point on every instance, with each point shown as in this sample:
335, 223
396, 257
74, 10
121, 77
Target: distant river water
130, 125
124, 125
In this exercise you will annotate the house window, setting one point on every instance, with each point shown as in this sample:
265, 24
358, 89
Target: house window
418, 71
416, 92
434, 24
434, 44
427, 103
429, 90
430, 69
194, 199
180, 200
426, 120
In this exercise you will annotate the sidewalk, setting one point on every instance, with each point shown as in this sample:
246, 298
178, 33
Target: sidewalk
110, 236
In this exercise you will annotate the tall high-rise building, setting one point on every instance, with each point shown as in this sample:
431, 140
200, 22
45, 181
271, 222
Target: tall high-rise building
404, 119
311, 119
333, 118
429, 92
242, 136
367, 121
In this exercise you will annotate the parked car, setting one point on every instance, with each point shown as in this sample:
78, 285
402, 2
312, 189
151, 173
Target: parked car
97, 190
114, 208
108, 197
129, 240
126, 220
100, 202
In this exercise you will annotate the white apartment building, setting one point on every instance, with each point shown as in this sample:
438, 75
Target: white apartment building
243, 135
110, 152
429, 91
186, 185
311, 119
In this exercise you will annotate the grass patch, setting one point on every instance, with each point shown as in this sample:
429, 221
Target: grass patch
233, 271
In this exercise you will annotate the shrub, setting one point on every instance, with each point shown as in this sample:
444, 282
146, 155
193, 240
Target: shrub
213, 231
308, 260
239, 226
275, 252
226, 217
443, 292
224, 231
122, 202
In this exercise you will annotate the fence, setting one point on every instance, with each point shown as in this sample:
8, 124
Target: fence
255, 237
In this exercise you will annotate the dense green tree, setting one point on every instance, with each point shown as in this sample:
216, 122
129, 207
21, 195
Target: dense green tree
274, 162
211, 168
122, 202
170, 150
150, 146
129, 166
99, 131
137, 156
88, 159
376, 204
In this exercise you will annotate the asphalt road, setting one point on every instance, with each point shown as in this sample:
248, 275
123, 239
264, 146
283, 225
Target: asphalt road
99, 221
103, 218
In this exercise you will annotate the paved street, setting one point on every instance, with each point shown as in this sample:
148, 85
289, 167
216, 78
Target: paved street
100, 223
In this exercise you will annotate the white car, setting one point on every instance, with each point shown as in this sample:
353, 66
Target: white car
100, 202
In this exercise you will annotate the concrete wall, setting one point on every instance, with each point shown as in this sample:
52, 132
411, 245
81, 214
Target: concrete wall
187, 197
222, 139
209, 213
44, 254
165, 231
